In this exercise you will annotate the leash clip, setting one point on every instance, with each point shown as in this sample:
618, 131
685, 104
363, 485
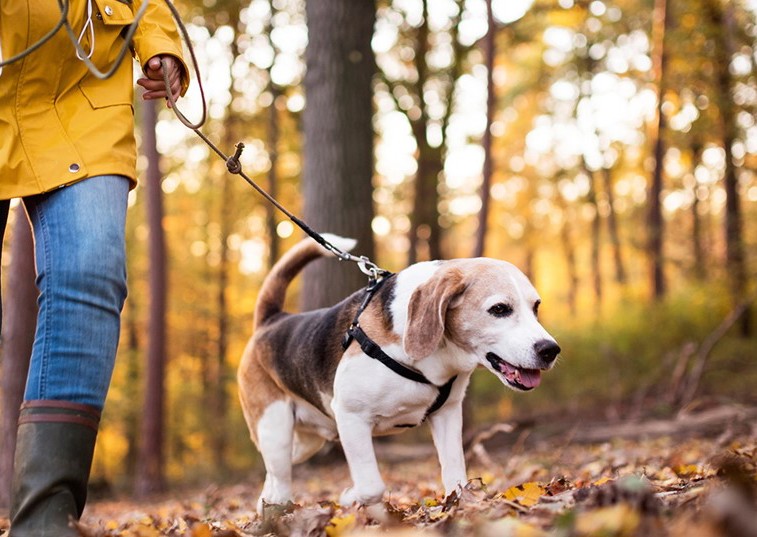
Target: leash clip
370, 269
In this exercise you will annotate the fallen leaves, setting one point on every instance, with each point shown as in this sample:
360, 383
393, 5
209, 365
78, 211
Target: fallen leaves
623, 488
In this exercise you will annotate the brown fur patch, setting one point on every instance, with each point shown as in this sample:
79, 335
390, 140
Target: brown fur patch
256, 390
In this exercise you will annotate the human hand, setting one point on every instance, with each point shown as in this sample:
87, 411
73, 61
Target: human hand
155, 87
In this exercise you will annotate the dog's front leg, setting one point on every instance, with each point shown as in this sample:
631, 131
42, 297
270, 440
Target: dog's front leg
356, 435
447, 431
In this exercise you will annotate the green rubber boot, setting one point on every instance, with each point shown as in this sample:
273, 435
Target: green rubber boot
54, 449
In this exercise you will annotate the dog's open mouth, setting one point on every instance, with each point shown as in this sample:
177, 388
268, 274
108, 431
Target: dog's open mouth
518, 377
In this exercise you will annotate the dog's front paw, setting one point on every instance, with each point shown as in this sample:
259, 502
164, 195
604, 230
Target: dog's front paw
353, 496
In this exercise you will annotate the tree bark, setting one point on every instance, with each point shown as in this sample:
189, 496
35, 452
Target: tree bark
612, 228
273, 179
699, 262
19, 319
425, 231
150, 472
337, 120
569, 250
273, 135
655, 221
721, 18
596, 241
488, 170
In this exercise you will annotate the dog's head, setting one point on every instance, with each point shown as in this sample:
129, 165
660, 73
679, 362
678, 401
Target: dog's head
487, 308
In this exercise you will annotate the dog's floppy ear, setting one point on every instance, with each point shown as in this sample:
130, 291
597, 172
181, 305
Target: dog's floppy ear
427, 311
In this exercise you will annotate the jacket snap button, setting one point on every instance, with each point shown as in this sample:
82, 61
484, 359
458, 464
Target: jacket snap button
108, 11
73, 168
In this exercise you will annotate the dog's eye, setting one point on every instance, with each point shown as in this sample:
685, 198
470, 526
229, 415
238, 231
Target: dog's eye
501, 310
536, 307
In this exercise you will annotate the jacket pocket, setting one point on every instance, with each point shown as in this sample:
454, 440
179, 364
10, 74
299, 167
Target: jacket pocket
111, 21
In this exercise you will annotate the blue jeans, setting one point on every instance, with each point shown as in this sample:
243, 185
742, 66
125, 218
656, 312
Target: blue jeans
79, 248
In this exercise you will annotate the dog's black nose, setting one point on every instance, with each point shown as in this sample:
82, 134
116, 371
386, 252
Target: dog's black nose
547, 350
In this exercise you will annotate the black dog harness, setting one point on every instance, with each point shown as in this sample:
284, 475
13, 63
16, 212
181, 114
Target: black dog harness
372, 349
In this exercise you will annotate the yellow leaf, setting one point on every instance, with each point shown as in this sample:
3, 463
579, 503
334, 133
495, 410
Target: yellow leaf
202, 530
619, 520
685, 470
339, 525
602, 481
430, 502
527, 494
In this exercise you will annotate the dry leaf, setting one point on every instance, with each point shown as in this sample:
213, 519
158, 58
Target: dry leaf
527, 494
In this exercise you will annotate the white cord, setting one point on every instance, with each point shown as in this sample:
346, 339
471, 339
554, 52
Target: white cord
91, 26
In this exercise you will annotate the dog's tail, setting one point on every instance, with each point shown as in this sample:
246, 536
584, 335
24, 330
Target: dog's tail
272, 293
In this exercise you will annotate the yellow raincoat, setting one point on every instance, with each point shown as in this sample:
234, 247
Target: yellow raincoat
58, 123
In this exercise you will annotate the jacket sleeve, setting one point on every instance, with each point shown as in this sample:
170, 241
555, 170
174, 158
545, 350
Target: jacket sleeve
157, 34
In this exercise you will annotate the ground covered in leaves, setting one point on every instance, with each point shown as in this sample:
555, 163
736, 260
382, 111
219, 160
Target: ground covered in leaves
633, 479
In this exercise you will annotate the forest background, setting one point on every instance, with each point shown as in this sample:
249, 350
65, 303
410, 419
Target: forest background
607, 148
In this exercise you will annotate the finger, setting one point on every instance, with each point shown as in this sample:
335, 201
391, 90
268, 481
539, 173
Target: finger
151, 85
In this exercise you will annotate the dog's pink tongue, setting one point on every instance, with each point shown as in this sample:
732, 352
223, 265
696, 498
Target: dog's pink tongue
530, 378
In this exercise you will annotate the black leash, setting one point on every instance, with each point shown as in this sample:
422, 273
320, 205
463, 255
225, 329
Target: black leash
234, 166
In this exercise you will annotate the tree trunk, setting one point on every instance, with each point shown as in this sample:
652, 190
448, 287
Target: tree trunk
596, 239
425, 230
19, 316
722, 21
273, 179
486, 180
569, 250
612, 228
273, 154
655, 221
150, 473
699, 262
218, 404
338, 167
131, 388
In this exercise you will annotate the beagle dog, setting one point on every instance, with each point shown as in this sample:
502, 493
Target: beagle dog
421, 334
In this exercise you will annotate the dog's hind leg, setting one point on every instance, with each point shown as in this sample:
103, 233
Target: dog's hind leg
306, 444
275, 431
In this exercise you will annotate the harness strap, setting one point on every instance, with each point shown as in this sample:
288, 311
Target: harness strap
374, 351
370, 348
444, 392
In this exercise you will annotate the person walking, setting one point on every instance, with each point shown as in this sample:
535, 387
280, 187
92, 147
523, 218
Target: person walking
67, 149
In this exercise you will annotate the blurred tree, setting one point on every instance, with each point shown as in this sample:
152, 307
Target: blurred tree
19, 319
272, 141
410, 83
722, 18
150, 476
337, 122
486, 142
655, 220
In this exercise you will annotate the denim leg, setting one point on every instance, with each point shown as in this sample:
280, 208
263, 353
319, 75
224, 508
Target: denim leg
79, 243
